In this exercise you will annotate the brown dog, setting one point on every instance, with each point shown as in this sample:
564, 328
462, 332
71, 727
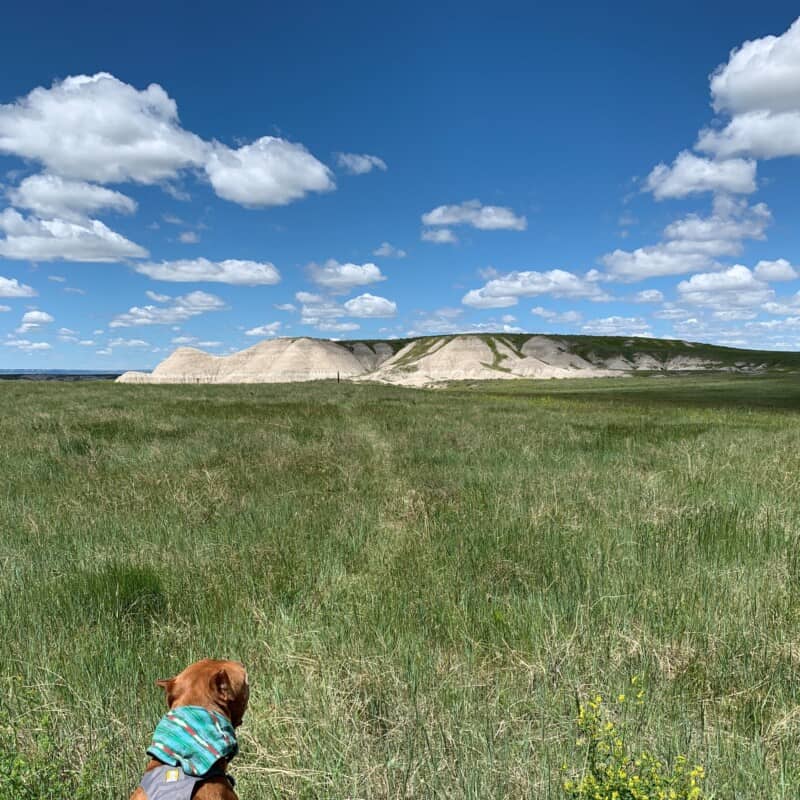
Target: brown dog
218, 686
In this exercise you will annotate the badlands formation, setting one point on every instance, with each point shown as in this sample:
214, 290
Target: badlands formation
419, 362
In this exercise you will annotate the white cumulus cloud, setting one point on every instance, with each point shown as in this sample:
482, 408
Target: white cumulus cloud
52, 196
32, 239
691, 174
156, 297
439, 236
648, 262
359, 164
128, 343
757, 133
670, 311
618, 326
232, 271
472, 212
734, 314
268, 172
264, 330
505, 290
442, 320
315, 309
341, 277
728, 225
780, 270
648, 296
736, 286
693, 242
369, 305
33, 320
308, 297
761, 74
99, 128
387, 250
323, 313
759, 87
11, 287
179, 310
25, 344
557, 316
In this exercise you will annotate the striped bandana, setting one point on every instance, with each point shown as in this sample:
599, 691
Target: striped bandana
193, 738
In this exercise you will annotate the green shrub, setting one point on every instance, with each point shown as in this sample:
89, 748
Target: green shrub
34, 765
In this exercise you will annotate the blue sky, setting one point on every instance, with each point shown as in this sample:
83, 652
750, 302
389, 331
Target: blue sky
195, 175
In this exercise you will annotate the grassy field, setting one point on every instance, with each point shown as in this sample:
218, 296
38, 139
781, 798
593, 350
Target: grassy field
418, 581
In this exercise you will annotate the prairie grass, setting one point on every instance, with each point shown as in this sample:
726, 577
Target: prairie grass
419, 582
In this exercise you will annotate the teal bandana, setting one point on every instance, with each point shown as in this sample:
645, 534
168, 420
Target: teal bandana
193, 738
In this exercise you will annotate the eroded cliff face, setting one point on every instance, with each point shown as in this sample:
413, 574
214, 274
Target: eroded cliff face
420, 362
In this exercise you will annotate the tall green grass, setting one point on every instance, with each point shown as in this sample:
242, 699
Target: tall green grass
418, 581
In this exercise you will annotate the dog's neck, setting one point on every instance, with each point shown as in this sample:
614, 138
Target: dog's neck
201, 699
154, 763
225, 708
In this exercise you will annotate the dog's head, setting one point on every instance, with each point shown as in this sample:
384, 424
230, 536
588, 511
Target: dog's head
212, 683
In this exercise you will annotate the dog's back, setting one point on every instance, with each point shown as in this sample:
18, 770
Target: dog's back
169, 783
156, 785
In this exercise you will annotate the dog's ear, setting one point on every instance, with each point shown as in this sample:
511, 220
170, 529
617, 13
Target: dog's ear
221, 686
168, 685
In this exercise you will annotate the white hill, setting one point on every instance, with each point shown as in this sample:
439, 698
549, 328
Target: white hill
434, 360
458, 358
272, 361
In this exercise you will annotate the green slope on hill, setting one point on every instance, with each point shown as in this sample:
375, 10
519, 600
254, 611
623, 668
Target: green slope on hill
600, 348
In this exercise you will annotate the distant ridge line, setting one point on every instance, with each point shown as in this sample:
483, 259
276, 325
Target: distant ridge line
434, 360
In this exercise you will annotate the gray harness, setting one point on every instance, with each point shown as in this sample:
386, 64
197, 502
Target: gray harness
172, 783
